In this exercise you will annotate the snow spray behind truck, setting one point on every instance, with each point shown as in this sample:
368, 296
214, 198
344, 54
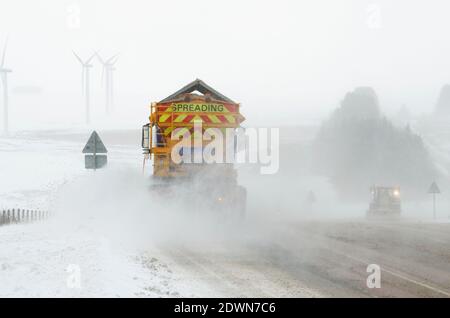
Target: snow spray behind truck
177, 129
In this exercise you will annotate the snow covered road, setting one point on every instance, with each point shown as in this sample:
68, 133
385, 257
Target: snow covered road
110, 238
320, 259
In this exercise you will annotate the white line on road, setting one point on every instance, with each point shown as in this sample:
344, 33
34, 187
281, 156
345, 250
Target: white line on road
402, 276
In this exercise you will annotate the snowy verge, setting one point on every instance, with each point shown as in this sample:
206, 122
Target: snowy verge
42, 260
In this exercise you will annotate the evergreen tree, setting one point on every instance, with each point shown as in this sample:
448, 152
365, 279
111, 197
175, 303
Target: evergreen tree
443, 103
358, 147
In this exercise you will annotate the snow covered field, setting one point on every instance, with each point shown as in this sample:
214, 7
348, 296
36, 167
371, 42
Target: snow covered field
71, 255
45, 260
109, 238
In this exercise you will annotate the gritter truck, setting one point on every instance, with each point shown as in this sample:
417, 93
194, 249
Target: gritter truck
174, 121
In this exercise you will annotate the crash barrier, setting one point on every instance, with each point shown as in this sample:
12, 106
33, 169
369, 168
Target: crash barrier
15, 216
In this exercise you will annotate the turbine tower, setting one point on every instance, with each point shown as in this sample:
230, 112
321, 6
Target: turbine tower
4, 78
85, 86
107, 79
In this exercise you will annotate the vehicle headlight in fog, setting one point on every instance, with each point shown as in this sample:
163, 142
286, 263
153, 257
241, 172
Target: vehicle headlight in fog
396, 193
220, 199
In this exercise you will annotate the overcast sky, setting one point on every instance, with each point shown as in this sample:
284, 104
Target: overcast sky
285, 61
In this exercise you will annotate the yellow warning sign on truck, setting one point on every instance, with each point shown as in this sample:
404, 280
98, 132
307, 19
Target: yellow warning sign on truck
198, 108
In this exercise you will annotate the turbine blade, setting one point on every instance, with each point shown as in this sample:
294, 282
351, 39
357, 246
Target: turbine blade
90, 59
110, 60
99, 58
4, 53
78, 58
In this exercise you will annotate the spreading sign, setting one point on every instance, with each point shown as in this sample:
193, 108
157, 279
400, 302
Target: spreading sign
198, 107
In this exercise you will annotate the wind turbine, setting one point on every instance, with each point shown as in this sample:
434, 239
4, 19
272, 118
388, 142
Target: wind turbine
107, 77
4, 76
85, 86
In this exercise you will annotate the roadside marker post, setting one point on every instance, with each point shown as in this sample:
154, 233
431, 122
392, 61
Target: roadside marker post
434, 189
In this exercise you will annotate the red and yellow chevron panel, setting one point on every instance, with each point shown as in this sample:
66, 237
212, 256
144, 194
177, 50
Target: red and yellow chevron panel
211, 114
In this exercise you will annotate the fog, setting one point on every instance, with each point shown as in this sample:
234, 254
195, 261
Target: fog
354, 96
287, 62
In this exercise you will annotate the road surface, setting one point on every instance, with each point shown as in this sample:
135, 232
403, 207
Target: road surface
318, 259
107, 224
